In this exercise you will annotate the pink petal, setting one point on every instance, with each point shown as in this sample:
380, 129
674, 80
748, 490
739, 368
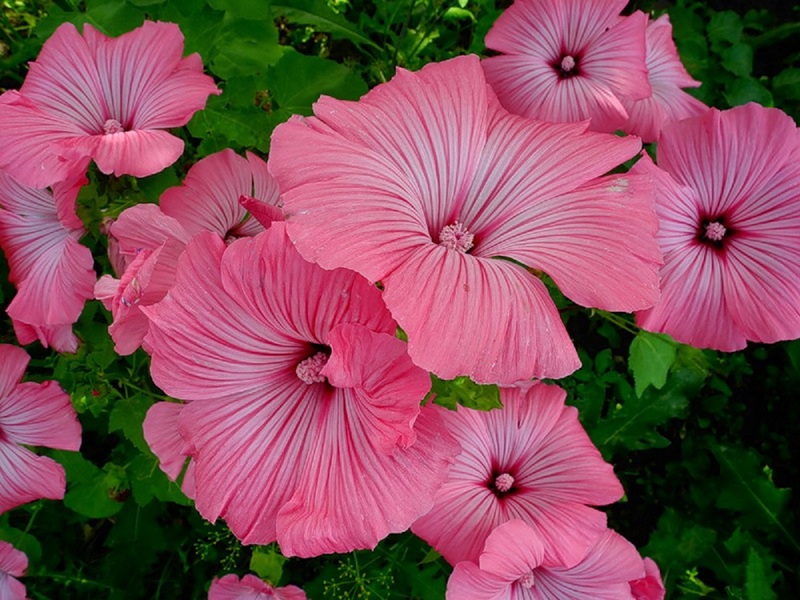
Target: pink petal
161, 433
12, 561
651, 586
40, 414
208, 199
59, 337
452, 305
146, 227
25, 477
251, 588
468, 581
13, 361
136, 152
528, 551
264, 213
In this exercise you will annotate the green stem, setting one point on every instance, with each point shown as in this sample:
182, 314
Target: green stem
617, 320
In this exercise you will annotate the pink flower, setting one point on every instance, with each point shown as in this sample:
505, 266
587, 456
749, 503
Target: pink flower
532, 461
251, 588
149, 240
13, 564
53, 272
426, 182
568, 60
104, 99
303, 416
649, 587
728, 198
667, 76
31, 414
511, 568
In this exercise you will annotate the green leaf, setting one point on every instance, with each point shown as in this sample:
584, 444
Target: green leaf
149, 482
127, 416
221, 125
455, 13
725, 26
787, 84
89, 489
318, 14
742, 91
651, 356
297, 81
738, 59
757, 583
464, 391
267, 563
748, 488
246, 47
243, 9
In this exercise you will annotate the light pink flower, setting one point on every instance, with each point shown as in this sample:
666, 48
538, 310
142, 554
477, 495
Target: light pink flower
649, 587
31, 414
511, 568
150, 239
568, 60
251, 588
303, 416
532, 461
13, 564
667, 76
426, 182
101, 98
53, 272
728, 198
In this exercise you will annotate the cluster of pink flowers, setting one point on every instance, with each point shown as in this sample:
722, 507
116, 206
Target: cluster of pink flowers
299, 414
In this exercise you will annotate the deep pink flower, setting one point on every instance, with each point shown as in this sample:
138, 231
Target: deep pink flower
101, 98
532, 461
728, 198
568, 60
31, 414
251, 588
303, 416
150, 239
53, 273
511, 568
649, 587
13, 564
667, 76
426, 182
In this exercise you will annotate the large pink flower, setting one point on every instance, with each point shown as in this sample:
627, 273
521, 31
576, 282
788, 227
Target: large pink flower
429, 186
31, 414
101, 98
568, 60
532, 461
150, 239
667, 76
303, 416
511, 568
251, 588
39, 233
13, 564
728, 198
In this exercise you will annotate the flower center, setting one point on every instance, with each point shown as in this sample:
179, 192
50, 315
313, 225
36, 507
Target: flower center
503, 482
526, 580
715, 231
456, 237
113, 126
308, 370
567, 64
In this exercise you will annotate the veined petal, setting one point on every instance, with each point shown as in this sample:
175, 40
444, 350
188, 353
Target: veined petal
468, 581
528, 551
251, 588
136, 152
470, 300
597, 242
59, 337
39, 414
146, 227
346, 475
163, 436
13, 362
12, 561
25, 477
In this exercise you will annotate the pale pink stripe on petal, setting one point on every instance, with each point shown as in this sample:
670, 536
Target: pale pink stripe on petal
40, 414
12, 561
25, 477
136, 152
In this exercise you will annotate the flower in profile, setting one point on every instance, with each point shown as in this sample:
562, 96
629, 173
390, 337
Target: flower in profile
511, 567
651, 586
13, 564
427, 185
302, 416
251, 587
110, 100
53, 272
216, 196
568, 60
31, 414
728, 200
667, 76
531, 460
